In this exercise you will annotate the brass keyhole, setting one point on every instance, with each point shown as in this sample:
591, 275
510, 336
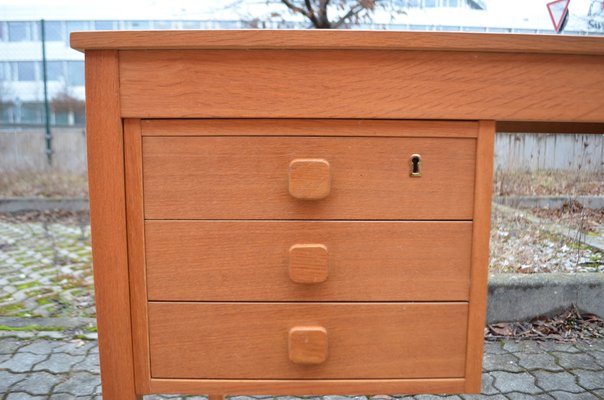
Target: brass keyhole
415, 165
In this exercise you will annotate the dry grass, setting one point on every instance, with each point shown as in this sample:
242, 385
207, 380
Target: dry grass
521, 246
52, 183
548, 183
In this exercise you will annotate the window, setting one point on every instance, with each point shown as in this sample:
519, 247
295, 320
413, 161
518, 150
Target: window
79, 117
137, 25
18, 31
53, 31
2, 31
26, 71
429, 3
103, 25
190, 24
75, 26
54, 71
61, 118
4, 74
31, 113
162, 25
75, 73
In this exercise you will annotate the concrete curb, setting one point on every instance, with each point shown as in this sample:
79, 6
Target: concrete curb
518, 297
41, 204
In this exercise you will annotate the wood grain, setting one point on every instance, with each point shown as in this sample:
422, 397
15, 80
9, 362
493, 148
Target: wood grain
361, 84
337, 39
250, 340
309, 387
308, 127
309, 178
368, 261
308, 263
308, 345
108, 225
247, 178
136, 252
480, 255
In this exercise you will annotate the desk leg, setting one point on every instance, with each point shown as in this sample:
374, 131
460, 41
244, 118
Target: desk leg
216, 397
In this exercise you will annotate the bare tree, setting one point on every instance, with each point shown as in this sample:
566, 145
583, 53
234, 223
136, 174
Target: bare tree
334, 14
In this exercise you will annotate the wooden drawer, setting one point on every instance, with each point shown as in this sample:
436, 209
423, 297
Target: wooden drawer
308, 261
272, 178
307, 341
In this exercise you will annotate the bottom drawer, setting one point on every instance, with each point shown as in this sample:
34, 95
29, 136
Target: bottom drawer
307, 340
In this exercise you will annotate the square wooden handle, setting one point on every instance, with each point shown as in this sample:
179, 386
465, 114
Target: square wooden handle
308, 345
309, 179
308, 263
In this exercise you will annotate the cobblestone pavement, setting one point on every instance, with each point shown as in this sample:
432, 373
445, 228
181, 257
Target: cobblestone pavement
45, 270
35, 367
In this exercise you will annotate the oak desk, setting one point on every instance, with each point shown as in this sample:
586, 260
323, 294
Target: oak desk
307, 212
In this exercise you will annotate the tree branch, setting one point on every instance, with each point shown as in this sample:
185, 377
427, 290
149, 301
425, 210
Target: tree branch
351, 13
295, 8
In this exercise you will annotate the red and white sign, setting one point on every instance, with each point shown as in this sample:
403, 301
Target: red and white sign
558, 10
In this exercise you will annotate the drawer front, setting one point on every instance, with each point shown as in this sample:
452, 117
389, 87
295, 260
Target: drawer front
307, 341
308, 178
308, 261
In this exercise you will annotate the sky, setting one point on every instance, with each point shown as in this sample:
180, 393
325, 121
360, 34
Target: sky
530, 14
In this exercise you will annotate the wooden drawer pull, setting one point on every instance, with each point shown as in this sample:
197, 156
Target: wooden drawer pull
307, 345
308, 263
309, 179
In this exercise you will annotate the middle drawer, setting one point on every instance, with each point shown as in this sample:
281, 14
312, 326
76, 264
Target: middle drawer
308, 261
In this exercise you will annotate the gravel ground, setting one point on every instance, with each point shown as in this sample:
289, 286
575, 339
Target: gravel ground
518, 245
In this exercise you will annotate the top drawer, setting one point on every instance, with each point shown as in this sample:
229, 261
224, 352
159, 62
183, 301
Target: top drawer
299, 177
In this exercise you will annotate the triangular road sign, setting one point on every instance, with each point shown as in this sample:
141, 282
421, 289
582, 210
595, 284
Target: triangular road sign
558, 12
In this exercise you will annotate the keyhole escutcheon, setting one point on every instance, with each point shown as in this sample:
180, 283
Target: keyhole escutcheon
415, 166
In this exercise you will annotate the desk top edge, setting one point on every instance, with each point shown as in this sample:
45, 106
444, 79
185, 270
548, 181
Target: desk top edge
336, 40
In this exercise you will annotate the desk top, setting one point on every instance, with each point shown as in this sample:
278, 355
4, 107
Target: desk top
337, 39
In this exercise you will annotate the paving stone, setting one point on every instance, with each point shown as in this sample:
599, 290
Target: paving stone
560, 347
23, 396
22, 362
244, 397
576, 360
8, 379
507, 382
591, 380
343, 398
39, 383
599, 357
524, 346
494, 348
40, 347
549, 381
487, 387
538, 361
436, 397
22, 335
77, 347
79, 384
89, 364
559, 395
501, 362
9, 346
524, 396
59, 363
